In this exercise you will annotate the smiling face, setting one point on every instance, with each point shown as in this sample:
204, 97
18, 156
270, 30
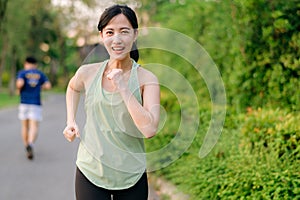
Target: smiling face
118, 36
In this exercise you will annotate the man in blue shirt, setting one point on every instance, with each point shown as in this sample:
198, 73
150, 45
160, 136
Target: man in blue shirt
30, 81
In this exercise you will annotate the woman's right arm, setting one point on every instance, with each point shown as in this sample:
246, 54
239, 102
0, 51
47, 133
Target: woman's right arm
75, 87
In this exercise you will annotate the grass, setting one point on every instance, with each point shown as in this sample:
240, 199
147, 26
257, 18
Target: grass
6, 100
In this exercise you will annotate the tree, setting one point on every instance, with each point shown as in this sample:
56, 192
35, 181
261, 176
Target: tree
254, 43
13, 36
32, 30
3, 4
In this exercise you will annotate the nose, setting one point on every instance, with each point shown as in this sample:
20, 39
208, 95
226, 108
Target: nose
117, 39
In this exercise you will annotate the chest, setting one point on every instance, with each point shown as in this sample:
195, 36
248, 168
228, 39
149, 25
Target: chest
110, 86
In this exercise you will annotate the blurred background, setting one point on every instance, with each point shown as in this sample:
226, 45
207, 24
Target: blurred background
254, 43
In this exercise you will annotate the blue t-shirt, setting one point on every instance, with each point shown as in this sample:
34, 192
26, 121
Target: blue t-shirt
33, 81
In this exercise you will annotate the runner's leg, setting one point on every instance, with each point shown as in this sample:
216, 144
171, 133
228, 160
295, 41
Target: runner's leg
24, 131
137, 192
85, 190
33, 131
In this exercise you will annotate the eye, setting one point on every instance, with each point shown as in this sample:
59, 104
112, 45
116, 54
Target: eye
109, 33
125, 31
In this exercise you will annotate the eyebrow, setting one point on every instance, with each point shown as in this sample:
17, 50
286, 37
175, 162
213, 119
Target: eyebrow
127, 28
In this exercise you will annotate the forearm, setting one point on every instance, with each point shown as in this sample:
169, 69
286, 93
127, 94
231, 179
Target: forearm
145, 120
146, 116
72, 100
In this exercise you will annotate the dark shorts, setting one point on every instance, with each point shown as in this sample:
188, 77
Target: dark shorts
85, 190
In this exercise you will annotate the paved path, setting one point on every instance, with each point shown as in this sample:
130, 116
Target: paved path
50, 176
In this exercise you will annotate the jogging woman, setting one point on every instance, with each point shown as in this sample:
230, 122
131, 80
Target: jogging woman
122, 105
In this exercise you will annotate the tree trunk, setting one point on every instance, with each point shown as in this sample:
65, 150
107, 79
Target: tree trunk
13, 71
53, 71
3, 4
62, 59
3, 59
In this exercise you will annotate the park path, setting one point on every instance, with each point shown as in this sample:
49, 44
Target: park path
50, 176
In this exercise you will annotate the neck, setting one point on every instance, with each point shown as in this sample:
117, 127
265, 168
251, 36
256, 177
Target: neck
120, 64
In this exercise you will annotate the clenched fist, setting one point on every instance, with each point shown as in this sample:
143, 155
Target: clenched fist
71, 132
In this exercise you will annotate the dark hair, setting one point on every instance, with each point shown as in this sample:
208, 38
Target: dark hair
115, 10
31, 59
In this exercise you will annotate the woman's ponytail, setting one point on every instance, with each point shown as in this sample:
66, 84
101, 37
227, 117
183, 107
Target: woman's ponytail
134, 53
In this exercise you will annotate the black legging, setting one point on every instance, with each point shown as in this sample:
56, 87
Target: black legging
85, 190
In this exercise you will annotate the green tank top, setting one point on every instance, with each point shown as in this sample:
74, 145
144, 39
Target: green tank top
111, 153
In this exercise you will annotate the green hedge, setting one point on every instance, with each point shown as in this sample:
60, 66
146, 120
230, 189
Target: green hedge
254, 43
257, 157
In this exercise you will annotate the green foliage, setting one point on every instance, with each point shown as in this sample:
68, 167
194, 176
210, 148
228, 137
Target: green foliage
171, 126
3, 4
5, 79
272, 54
257, 157
37, 30
271, 129
255, 45
15, 26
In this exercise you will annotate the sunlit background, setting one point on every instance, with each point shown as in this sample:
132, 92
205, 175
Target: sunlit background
255, 49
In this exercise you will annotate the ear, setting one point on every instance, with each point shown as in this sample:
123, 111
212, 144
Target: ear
136, 33
101, 34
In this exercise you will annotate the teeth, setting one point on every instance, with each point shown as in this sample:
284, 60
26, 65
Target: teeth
117, 49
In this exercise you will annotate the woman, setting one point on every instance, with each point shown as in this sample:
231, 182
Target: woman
122, 102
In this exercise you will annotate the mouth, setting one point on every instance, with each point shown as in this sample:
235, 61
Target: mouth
118, 48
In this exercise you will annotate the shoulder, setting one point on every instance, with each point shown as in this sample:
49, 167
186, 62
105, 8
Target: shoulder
146, 75
86, 73
21, 72
37, 71
88, 68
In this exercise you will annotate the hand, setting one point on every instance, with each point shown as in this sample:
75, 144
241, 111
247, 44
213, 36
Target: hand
71, 131
20, 83
116, 76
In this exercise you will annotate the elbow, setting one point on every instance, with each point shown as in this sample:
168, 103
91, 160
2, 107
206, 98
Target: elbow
148, 136
19, 83
149, 129
150, 133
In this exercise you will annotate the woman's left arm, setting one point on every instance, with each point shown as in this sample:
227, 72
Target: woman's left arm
146, 116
